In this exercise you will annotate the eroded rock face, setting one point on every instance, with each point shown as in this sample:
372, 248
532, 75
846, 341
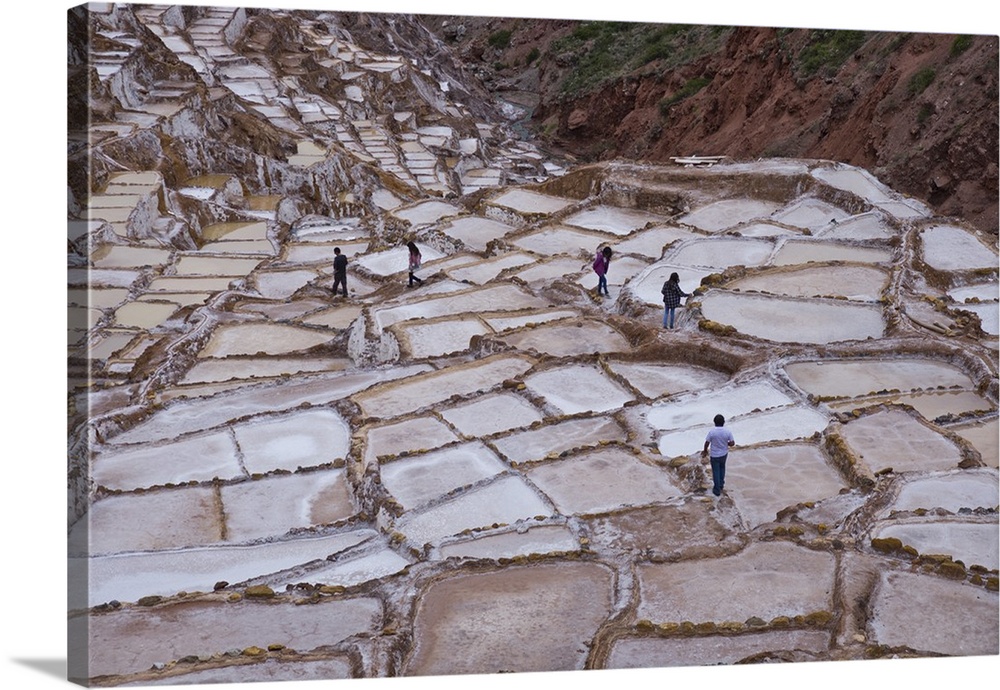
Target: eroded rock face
492, 466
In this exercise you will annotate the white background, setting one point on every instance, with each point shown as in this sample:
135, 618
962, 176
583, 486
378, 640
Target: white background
34, 335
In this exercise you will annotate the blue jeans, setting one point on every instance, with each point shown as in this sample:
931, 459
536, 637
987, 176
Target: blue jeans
718, 473
668, 313
602, 284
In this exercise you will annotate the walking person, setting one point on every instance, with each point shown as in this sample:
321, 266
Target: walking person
339, 271
718, 441
672, 294
602, 261
414, 263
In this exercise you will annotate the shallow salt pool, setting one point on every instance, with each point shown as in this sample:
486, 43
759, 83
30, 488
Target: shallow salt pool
578, 388
861, 283
261, 338
794, 320
950, 248
617, 221
720, 215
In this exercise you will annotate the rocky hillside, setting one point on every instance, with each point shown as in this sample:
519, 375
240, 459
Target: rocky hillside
918, 110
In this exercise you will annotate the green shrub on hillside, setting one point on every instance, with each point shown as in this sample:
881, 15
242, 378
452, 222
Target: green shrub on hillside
960, 44
827, 50
920, 81
499, 39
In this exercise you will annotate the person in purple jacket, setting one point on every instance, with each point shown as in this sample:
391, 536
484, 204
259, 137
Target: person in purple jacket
717, 444
602, 261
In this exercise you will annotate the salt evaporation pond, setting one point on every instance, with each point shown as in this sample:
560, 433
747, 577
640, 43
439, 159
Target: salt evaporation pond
416, 480
565, 339
528, 202
476, 232
950, 248
721, 215
617, 221
894, 439
522, 541
819, 251
861, 377
578, 388
652, 242
562, 240
436, 337
794, 320
492, 414
783, 424
721, 253
863, 283
261, 338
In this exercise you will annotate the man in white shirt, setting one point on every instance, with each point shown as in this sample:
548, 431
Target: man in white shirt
717, 444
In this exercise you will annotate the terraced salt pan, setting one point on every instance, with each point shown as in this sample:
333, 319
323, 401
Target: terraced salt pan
785, 319
186, 416
578, 388
337, 668
133, 640
930, 405
491, 414
985, 436
490, 622
986, 292
821, 251
471, 301
416, 480
133, 576
475, 231
528, 202
426, 212
281, 285
256, 230
953, 491
865, 227
652, 242
524, 541
358, 570
971, 543
860, 283
145, 315
123, 256
562, 339
721, 215
810, 213
554, 269
859, 377
336, 317
903, 615
218, 370
989, 316
504, 501
854, 180
272, 506
261, 338
562, 240
659, 380
897, 440
617, 221
281, 311
322, 253
763, 481
420, 434
551, 440
198, 459
731, 402
194, 265
484, 271
98, 277
722, 252
182, 284
775, 579
420, 339
712, 650
153, 521
950, 248
302, 438
601, 480
767, 230
499, 322
416, 392
782, 424
395, 260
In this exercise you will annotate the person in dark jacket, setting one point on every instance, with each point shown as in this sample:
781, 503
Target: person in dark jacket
339, 271
414, 263
672, 294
